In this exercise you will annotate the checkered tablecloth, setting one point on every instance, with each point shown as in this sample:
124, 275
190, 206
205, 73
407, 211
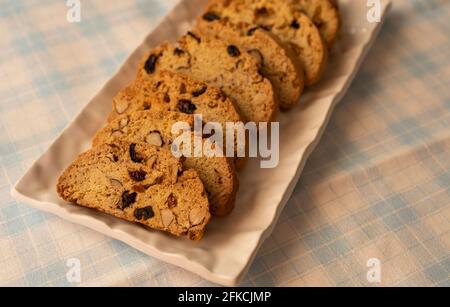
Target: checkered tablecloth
377, 186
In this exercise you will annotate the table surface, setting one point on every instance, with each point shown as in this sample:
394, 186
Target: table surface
377, 186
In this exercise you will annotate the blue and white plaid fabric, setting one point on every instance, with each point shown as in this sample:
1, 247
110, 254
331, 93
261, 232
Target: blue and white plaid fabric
378, 185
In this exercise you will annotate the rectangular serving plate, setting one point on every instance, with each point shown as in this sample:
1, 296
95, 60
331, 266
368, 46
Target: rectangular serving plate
231, 243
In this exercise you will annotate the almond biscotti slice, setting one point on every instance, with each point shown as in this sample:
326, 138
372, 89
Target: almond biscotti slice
324, 14
278, 63
171, 91
221, 65
138, 183
155, 128
289, 24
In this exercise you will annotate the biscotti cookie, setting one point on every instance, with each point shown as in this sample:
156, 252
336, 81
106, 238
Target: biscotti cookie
220, 65
290, 25
155, 128
324, 14
138, 183
170, 91
278, 64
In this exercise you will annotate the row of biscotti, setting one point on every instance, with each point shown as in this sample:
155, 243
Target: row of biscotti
261, 53
306, 27
131, 168
234, 56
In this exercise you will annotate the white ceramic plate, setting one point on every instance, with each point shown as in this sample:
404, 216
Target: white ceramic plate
230, 245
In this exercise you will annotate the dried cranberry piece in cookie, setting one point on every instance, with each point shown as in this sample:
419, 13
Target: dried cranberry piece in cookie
210, 16
138, 175
172, 201
150, 65
186, 106
128, 199
133, 155
144, 213
200, 91
233, 51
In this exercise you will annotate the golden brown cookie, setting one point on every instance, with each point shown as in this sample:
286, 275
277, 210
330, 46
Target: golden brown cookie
221, 65
278, 63
290, 25
171, 91
155, 128
324, 14
139, 183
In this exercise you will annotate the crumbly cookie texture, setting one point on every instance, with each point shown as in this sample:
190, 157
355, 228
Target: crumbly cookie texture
139, 183
278, 63
155, 128
171, 91
221, 65
290, 25
325, 16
